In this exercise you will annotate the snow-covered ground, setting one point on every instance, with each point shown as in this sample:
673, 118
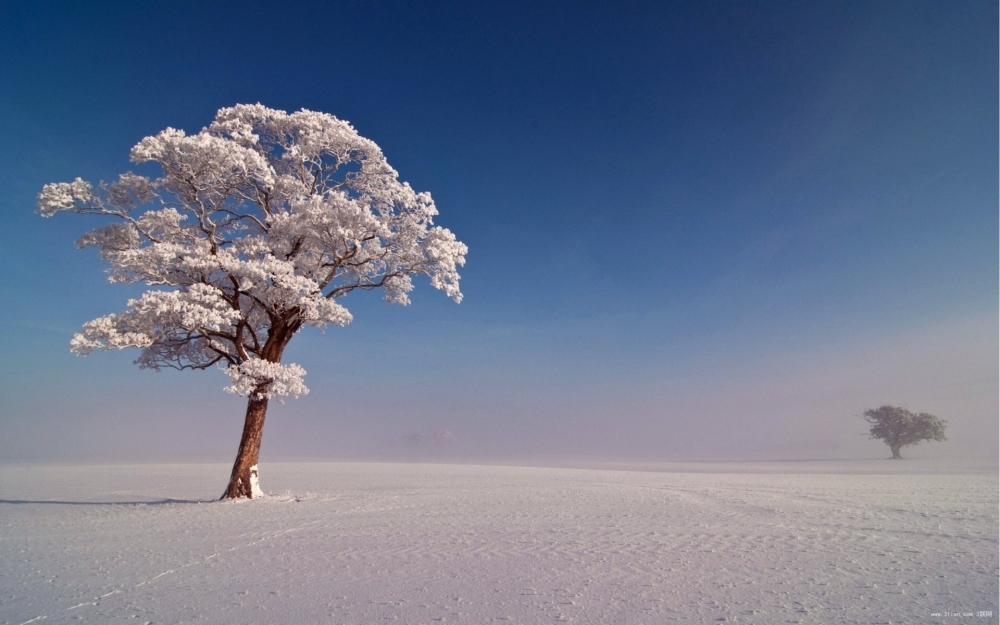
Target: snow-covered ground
799, 542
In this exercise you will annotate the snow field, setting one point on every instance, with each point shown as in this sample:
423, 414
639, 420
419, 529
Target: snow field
368, 543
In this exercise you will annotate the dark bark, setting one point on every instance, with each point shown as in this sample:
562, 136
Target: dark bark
895, 452
244, 474
241, 482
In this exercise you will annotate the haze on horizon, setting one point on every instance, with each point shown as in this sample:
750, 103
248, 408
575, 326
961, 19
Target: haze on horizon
695, 232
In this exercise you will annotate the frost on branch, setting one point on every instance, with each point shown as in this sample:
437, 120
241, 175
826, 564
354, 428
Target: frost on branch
259, 225
261, 379
109, 332
64, 196
118, 198
153, 318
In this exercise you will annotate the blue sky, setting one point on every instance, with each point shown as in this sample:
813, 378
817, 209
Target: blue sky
696, 230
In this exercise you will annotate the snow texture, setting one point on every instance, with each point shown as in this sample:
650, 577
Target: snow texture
823, 543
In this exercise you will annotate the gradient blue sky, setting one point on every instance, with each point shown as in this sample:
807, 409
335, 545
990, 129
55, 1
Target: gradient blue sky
697, 230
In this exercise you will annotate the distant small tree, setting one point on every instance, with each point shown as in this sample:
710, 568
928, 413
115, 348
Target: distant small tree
898, 427
259, 226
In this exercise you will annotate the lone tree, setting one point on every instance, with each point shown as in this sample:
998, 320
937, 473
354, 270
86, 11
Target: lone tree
899, 427
258, 226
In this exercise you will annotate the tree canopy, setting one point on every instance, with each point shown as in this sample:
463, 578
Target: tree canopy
899, 427
260, 222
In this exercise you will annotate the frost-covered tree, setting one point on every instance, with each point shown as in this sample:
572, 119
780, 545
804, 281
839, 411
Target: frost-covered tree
898, 427
259, 225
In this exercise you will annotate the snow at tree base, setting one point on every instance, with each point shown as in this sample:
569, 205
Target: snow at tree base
259, 224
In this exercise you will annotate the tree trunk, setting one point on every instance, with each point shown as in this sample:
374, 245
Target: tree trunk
243, 482
895, 452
